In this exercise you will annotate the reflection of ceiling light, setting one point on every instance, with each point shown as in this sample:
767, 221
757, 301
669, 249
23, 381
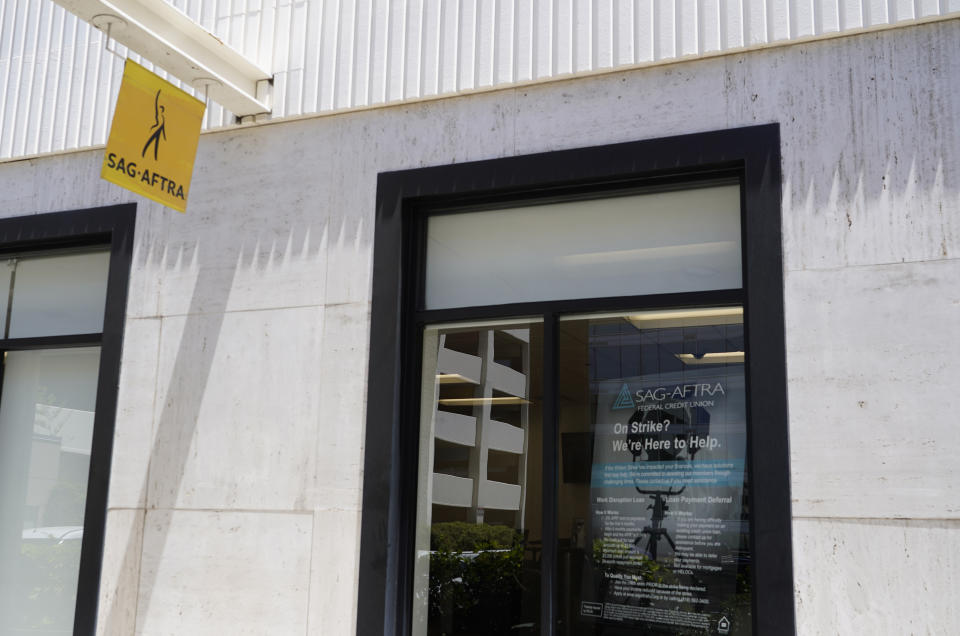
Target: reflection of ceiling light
493, 401
687, 317
722, 357
653, 253
454, 378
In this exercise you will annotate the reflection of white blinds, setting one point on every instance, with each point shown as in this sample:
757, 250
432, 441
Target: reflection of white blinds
73, 427
664, 242
46, 428
58, 295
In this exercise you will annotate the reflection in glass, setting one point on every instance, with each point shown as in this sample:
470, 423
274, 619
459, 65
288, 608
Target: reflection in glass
478, 512
650, 243
6, 270
653, 509
59, 295
46, 429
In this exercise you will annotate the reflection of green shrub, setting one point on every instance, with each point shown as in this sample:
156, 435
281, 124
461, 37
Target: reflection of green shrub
457, 536
610, 555
475, 573
737, 606
50, 587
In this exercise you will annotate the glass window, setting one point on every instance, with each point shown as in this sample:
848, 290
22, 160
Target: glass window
479, 516
47, 406
58, 295
651, 530
638, 417
46, 429
657, 242
653, 517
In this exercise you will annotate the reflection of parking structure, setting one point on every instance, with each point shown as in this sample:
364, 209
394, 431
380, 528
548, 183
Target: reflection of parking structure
667, 434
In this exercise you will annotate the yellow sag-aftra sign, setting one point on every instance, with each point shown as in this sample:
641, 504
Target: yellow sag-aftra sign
153, 138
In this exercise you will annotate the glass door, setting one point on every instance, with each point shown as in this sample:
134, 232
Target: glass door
653, 525
479, 534
649, 481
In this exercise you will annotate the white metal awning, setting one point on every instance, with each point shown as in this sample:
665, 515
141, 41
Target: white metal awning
162, 34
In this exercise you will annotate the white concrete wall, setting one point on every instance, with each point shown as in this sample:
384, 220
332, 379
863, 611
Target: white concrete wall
235, 496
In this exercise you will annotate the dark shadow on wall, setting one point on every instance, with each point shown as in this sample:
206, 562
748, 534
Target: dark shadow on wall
246, 265
176, 424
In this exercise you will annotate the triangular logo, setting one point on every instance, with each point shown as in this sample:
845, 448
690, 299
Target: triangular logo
624, 399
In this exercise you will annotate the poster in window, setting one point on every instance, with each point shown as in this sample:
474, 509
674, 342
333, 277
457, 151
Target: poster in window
668, 535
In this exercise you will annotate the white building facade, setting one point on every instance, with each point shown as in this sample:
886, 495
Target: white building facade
235, 465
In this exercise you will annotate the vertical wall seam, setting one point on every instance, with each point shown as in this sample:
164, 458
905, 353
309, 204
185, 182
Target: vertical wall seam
239, 39
593, 26
496, 56
273, 50
67, 67
258, 38
5, 8
680, 26
83, 41
336, 60
401, 50
723, 23
496, 31
423, 47
574, 36
360, 78
96, 89
112, 73
458, 42
371, 48
744, 22
308, 55
517, 41
53, 77
154, 422
477, 44
17, 86
354, 55
701, 26
655, 28
313, 534
11, 113
616, 40
26, 83
41, 60
409, 74
555, 31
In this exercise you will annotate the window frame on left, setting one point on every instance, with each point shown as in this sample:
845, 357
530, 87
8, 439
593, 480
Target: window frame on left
106, 228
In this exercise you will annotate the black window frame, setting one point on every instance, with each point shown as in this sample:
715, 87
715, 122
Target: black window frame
405, 199
110, 227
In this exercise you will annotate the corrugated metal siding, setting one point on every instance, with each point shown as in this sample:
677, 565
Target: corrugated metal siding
60, 84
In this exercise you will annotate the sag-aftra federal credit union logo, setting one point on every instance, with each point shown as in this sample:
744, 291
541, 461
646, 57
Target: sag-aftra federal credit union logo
153, 138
